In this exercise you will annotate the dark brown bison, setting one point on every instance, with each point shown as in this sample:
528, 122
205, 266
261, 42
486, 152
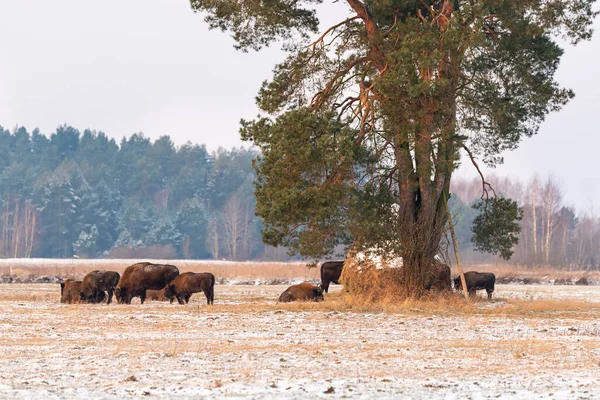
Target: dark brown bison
477, 281
156, 295
140, 277
184, 285
330, 273
440, 278
69, 291
97, 284
302, 292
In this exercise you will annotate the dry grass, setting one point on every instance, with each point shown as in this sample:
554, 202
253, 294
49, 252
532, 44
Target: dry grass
222, 270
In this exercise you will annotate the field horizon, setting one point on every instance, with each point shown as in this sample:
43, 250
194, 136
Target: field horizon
270, 272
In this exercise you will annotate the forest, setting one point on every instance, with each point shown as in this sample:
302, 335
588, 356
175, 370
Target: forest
552, 233
74, 194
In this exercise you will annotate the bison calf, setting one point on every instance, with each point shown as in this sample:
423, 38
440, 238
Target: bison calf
330, 273
97, 284
69, 291
156, 295
302, 292
184, 285
477, 281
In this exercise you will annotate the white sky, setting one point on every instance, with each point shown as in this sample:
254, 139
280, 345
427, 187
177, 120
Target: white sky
152, 66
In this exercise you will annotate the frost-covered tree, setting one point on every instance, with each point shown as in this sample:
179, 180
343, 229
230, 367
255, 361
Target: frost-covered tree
86, 243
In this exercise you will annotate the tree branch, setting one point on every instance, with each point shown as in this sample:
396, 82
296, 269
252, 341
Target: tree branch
484, 183
316, 101
372, 32
331, 29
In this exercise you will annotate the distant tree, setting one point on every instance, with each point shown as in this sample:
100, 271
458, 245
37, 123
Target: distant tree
192, 222
86, 243
137, 220
57, 201
164, 232
65, 141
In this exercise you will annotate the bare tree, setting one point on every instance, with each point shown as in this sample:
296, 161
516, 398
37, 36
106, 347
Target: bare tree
213, 236
551, 197
534, 188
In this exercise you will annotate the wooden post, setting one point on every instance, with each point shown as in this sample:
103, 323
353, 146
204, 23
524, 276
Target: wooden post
455, 245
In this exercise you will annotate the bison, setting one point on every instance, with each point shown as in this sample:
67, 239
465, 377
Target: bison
330, 272
69, 291
156, 295
96, 284
477, 281
440, 278
140, 277
302, 292
184, 285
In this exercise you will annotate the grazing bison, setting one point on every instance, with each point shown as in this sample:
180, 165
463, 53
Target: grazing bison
477, 281
156, 295
140, 277
302, 292
184, 285
330, 272
96, 284
440, 278
69, 291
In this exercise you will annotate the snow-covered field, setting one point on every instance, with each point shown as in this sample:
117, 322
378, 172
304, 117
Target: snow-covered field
523, 345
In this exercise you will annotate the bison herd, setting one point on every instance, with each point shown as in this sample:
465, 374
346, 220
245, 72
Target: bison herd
163, 282
157, 281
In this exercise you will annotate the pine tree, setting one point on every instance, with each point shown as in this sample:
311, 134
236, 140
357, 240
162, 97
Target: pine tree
363, 126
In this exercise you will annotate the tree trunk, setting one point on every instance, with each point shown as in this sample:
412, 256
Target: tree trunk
534, 230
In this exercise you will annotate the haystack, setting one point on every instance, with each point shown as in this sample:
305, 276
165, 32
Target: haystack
372, 278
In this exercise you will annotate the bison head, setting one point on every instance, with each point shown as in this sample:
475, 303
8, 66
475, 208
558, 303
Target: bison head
318, 294
169, 292
457, 283
120, 293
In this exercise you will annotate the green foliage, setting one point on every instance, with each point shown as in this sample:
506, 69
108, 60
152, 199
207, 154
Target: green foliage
496, 229
305, 179
257, 23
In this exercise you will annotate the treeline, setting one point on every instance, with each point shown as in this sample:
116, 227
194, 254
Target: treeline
552, 233
82, 194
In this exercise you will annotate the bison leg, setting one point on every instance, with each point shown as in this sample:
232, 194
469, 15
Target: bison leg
325, 286
209, 295
110, 295
179, 299
143, 296
472, 292
489, 293
187, 298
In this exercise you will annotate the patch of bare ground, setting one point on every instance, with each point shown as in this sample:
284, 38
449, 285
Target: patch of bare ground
248, 346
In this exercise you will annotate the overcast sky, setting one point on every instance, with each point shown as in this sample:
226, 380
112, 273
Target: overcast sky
152, 66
